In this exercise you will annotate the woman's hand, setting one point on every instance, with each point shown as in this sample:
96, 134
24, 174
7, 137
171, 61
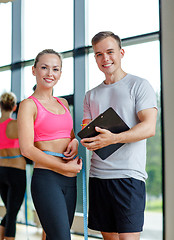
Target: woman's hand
72, 149
71, 168
75, 165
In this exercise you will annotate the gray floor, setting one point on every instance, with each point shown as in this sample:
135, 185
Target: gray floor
33, 233
152, 230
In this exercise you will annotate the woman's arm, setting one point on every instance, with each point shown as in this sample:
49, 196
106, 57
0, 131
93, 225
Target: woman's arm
26, 116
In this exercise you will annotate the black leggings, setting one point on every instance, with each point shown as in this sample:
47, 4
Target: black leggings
54, 197
12, 190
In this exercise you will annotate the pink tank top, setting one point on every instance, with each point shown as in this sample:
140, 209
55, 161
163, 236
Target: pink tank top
6, 142
50, 126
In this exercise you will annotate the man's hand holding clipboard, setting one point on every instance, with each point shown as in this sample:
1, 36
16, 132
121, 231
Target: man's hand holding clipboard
98, 134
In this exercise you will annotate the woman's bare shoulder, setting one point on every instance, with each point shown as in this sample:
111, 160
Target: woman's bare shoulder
27, 101
65, 102
27, 105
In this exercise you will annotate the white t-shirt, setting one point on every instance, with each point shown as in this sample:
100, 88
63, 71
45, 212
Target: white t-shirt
127, 97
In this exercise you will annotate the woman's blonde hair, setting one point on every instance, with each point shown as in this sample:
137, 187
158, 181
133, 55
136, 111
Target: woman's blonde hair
47, 51
7, 101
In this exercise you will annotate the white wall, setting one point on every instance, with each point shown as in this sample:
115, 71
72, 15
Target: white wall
167, 10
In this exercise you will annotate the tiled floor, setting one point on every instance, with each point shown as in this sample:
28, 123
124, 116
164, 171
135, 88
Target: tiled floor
33, 233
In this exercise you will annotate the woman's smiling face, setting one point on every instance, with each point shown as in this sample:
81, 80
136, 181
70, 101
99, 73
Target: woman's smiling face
47, 70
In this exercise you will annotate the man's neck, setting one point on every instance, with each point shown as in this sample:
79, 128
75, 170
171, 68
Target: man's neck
110, 79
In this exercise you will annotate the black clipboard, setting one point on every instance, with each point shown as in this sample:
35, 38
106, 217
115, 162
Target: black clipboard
109, 120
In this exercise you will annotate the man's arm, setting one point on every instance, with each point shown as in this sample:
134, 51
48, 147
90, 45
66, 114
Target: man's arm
144, 129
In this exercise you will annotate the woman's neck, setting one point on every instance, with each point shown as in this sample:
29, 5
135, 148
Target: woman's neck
43, 95
5, 115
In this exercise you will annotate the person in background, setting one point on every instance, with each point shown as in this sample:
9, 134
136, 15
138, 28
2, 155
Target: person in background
12, 167
46, 137
117, 184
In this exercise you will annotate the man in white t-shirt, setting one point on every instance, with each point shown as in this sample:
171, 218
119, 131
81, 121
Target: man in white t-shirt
117, 184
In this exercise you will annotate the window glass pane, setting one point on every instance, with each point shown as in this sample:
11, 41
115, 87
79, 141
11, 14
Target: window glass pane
28, 82
65, 85
125, 18
95, 75
5, 80
5, 46
144, 60
47, 24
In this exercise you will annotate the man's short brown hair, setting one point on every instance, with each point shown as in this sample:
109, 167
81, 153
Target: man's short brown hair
102, 35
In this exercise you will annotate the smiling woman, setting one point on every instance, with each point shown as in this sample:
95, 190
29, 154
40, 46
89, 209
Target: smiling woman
46, 137
48, 69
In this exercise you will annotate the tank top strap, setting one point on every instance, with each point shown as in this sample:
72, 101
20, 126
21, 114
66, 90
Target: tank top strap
61, 104
6, 122
35, 100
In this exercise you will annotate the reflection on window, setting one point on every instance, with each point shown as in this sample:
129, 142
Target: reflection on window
125, 18
5, 81
144, 60
47, 24
5, 46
